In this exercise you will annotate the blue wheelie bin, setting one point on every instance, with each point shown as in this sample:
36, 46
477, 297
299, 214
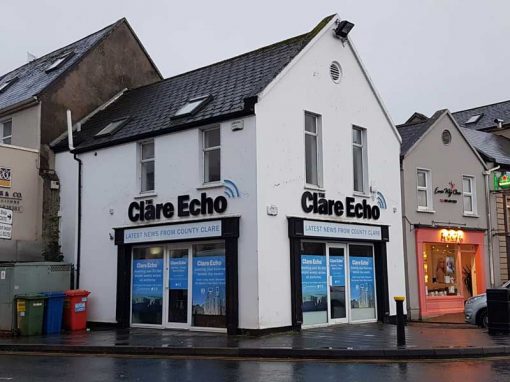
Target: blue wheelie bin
53, 311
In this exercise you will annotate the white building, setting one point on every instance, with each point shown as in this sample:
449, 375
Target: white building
258, 193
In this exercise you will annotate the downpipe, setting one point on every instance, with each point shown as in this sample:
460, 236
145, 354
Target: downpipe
487, 174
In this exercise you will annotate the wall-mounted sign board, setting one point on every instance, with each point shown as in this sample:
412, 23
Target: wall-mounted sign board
5, 216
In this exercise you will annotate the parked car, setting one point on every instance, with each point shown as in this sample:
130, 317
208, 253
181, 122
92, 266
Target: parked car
475, 308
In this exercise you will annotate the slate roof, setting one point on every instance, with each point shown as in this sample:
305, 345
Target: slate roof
412, 132
500, 110
32, 77
233, 85
492, 147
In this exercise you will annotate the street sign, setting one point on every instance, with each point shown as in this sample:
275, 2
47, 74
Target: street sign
5, 231
5, 216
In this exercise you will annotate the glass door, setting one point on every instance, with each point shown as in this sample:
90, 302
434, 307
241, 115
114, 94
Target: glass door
362, 283
337, 301
177, 287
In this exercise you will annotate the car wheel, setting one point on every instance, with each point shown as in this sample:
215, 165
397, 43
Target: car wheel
483, 318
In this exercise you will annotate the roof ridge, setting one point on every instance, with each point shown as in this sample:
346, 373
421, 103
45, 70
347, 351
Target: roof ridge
306, 36
64, 47
478, 107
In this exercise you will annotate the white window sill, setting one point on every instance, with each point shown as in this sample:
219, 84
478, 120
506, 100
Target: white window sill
210, 185
470, 215
426, 211
361, 194
143, 195
313, 187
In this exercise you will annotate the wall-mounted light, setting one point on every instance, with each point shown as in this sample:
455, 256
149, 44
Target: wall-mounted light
343, 28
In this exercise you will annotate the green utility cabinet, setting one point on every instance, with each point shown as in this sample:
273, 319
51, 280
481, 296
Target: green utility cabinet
28, 278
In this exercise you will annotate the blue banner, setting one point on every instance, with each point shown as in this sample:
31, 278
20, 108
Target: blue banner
313, 283
209, 285
362, 282
178, 273
148, 278
337, 270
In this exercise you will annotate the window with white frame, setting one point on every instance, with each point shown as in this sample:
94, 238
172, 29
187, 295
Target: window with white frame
313, 150
147, 161
424, 189
6, 132
211, 153
359, 159
468, 195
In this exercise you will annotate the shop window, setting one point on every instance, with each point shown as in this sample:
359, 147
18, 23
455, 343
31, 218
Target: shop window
211, 153
424, 189
314, 287
6, 132
468, 195
209, 307
147, 286
313, 150
359, 154
449, 269
147, 168
362, 282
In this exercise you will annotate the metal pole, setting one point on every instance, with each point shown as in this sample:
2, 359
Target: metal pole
401, 334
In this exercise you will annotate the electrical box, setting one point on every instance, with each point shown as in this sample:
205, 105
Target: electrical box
28, 278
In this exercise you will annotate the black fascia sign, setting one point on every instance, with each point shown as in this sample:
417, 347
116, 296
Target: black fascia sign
313, 203
146, 210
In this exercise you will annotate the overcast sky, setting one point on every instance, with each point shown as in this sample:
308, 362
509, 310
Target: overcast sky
422, 55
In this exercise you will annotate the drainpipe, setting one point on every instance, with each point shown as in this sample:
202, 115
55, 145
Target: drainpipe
489, 222
78, 225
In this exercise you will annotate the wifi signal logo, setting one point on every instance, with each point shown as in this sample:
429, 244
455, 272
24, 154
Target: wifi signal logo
231, 189
381, 202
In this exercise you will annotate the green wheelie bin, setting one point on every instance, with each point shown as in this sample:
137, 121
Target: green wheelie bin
30, 314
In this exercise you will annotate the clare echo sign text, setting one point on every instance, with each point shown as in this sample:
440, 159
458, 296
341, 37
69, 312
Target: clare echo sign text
313, 202
147, 210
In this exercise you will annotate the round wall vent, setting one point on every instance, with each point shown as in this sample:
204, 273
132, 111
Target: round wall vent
335, 71
446, 137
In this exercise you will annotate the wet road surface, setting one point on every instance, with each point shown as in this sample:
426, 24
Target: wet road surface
105, 368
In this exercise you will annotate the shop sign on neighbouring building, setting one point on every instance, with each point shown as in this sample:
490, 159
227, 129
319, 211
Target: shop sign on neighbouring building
502, 182
5, 177
449, 191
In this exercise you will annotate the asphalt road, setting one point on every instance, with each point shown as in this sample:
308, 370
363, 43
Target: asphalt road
106, 368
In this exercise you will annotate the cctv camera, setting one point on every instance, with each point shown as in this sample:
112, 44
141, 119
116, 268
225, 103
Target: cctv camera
498, 121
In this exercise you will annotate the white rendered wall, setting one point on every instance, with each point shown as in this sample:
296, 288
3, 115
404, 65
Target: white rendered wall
281, 163
110, 184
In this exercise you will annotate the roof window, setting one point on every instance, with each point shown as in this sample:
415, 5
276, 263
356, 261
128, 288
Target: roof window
474, 118
8, 83
192, 106
58, 62
111, 128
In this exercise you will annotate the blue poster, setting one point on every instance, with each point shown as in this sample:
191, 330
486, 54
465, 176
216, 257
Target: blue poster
148, 278
337, 270
313, 283
362, 282
209, 285
178, 276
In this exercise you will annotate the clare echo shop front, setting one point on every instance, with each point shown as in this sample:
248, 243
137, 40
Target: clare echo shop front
338, 270
178, 275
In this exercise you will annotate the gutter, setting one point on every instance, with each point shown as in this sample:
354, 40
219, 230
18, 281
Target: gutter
20, 106
78, 226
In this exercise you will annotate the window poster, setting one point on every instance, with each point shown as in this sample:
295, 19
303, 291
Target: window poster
209, 285
337, 270
147, 291
313, 283
178, 277
362, 282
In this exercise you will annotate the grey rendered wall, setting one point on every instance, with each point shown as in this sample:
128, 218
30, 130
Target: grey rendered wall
447, 163
25, 128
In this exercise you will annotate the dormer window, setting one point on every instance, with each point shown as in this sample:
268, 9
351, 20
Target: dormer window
474, 118
192, 106
111, 128
58, 62
8, 83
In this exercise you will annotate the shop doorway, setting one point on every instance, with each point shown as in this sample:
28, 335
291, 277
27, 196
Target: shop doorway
337, 283
179, 286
